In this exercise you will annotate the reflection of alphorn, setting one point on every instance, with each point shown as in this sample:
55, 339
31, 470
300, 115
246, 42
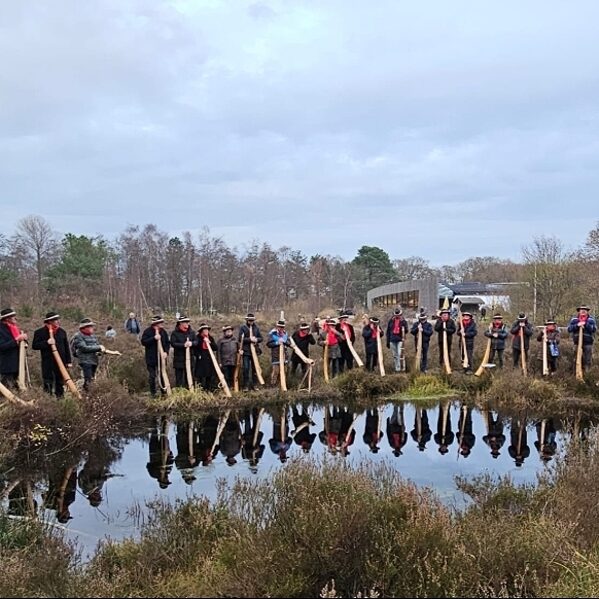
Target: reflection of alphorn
418, 359
188, 368
523, 353
579, 372
63, 371
542, 439
545, 348
445, 413
21, 381
446, 361
379, 351
461, 428
463, 348
219, 431
486, 357
257, 427
282, 377
326, 361
255, 359
238, 365
6, 392
219, 372
163, 380
347, 440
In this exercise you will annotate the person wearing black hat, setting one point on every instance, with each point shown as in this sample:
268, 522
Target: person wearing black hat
205, 374
371, 333
53, 381
161, 457
252, 448
467, 334
444, 436
277, 337
347, 330
301, 434
85, 347
303, 338
61, 493
521, 324
552, 339
445, 323
281, 440
546, 443
372, 433
249, 334
397, 329
427, 332
421, 433
495, 437
10, 337
228, 347
396, 430
182, 338
497, 332
466, 436
583, 320
519, 449
231, 439
155, 332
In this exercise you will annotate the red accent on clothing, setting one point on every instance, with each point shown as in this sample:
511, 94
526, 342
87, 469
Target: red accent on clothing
375, 331
52, 327
86, 331
332, 439
395, 440
332, 338
14, 330
396, 325
497, 325
550, 328
303, 333
583, 318
346, 330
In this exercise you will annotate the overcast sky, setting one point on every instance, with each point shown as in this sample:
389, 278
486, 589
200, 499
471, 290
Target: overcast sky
446, 129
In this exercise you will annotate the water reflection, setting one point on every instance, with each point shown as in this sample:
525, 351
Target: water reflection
518, 449
444, 436
161, 457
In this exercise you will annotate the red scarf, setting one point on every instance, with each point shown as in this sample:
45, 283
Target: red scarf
497, 325
375, 331
583, 318
550, 328
303, 333
346, 330
466, 322
331, 337
396, 325
14, 330
332, 439
53, 328
205, 342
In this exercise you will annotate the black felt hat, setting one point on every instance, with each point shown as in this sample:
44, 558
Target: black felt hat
497, 317
250, 316
522, 316
304, 326
182, 319
281, 323
374, 320
6, 313
583, 307
50, 316
398, 311
86, 322
157, 319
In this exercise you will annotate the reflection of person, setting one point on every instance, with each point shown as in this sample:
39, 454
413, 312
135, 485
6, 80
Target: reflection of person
53, 382
281, 441
347, 433
444, 436
372, 433
207, 449
252, 448
187, 450
332, 426
546, 444
161, 456
61, 493
302, 435
521, 324
421, 433
396, 430
466, 437
518, 449
96, 470
494, 437
230, 439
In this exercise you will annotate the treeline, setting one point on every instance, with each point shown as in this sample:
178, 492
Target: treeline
145, 269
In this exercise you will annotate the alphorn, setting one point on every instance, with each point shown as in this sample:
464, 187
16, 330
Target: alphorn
418, 359
188, 373
446, 361
238, 365
219, 372
310, 363
486, 357
163, 380
353, 351
282, 377
6, 392
326, 361
255, 359
545, 348
579, 371
379, 351
463, 348
21, 381
61, 367
523, 353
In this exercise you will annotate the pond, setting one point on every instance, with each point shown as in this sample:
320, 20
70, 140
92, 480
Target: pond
104, 492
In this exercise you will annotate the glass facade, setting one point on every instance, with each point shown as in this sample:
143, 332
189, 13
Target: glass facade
405, 299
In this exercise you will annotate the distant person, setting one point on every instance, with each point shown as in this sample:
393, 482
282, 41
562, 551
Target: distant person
110, 332
497, 332
483, 314
249, 334
228, 348
551, 345
397, 329
277, 337
303, 338
467, 333
132, 324
427, 331
205, 373
347, 358
86, 347
450, 328
585, 322
521, 324
181, 338
371, 333
330, 337
152, 336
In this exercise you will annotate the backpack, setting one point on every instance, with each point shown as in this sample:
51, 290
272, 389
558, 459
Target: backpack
73, 345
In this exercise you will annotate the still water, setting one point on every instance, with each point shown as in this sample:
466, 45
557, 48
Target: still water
93, 498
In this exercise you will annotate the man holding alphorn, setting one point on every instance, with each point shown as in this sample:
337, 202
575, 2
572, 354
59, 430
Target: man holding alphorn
11, 337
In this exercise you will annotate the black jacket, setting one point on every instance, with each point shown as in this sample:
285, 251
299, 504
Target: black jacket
427, 331
497, 343
204, 366
9, 351
449, 327
148, 341
304, 343
515, 331
40, 343
369, 342
178, 339
403, 331
469, 333
244, 331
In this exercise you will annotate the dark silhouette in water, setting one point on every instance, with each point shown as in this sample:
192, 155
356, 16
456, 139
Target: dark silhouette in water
187, 450
161, 456
494, 437
372, 433
332, 428
230, 439
466, 437
444, 436
252, 448
301, 433
518, 449
96, 470
546, 444
421, 433
61, 493
207, 449
281, 441
396, 430
347, 433
21, 501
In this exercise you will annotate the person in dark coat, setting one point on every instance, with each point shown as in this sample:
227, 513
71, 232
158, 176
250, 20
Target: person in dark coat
494, 437
151, 336
466, 437
467, 331
86, 349
10, 338
204, 373
444, 436
583, 320
331, 336
187, 458
372, 433
445, 322
53, 381
228, 348
427, 332
249, 334
546, 444
371, 332
277, 337
181, 338
303, 338
252, 448
421, 433
346, 361
551, 345
347, 432
301, 434
521, 323
518, 449
161, 457
132, 324
396, 430
498, 333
